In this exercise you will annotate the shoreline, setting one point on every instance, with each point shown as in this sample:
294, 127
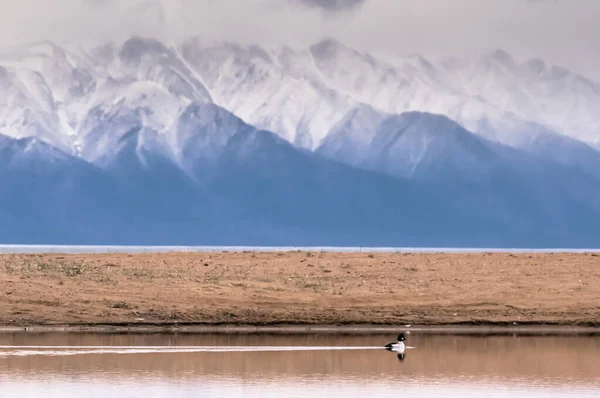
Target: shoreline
533, 329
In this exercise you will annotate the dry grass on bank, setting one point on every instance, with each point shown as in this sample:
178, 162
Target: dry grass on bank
299, 287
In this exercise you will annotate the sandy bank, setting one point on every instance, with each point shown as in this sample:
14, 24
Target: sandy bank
299, 289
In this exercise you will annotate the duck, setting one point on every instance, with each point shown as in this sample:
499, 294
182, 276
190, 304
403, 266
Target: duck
398, 347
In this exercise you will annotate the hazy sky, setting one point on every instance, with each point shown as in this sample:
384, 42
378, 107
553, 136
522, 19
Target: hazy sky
565, 32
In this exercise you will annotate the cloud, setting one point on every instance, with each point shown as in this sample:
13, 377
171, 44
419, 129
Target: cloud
332, 5
558, 31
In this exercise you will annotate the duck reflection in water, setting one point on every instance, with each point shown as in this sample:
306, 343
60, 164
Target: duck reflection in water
398, 347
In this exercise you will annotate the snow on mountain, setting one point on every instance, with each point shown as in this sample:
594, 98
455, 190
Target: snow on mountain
301, 94
53, 82
538, 140
253, 82
419, 145
149, 60
416, 146
349, 140
325, 143
77, 100
139, 104
25, 153
406, 86
69, 72
532, 90
329, 98
475, 92
257, 86
203, 131
27, 108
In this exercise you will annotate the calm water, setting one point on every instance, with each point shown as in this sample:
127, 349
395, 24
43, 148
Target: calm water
71, 365
11, 249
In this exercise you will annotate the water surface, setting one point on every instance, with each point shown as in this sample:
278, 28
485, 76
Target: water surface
258, 365
73, 249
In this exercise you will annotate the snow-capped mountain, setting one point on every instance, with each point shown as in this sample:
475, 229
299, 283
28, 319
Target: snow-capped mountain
299, 94
532, 90
477, 173
465, 91
325, 144
348, 140
277, 91
417, 145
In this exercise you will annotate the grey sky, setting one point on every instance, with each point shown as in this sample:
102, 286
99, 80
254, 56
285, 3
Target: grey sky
333, 5
565, 32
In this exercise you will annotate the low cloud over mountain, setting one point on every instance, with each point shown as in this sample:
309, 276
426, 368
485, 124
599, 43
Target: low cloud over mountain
333, 5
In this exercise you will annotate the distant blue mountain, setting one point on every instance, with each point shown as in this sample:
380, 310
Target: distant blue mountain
212, 143
49, 196
539, 193
238, 185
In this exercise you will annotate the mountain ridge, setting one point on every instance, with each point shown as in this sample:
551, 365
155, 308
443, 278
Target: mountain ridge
221, 143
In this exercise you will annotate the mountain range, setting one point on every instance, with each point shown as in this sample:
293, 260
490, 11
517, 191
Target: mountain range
215, 143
